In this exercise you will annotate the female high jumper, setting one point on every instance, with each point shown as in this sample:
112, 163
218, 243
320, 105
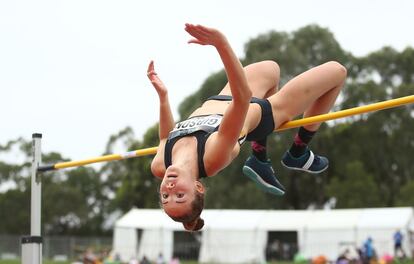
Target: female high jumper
249, 107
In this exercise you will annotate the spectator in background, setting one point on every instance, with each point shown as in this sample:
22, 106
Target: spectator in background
175, 260
344, 258
89, 257
369, 255
133, 261
160, 259
321, 259
144, 260
398, 239
112, 258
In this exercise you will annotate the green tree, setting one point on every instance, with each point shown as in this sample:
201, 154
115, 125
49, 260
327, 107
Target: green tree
356, 188
15, 208
131, 182
405, 196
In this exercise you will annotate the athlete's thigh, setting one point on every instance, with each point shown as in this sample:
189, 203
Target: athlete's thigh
303, 90
263, 79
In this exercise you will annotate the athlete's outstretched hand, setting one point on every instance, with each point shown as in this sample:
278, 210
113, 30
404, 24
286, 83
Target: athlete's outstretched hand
156, 81
204, 35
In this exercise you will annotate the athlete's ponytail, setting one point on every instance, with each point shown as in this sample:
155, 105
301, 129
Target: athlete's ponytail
194, 225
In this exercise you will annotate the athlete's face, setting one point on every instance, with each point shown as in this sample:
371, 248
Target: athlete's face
177, 191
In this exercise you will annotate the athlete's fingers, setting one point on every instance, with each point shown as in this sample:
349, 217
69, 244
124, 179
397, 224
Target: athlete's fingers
195, 41
150, 66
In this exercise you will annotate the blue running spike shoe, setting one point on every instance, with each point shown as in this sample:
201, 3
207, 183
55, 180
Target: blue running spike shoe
308, 162
263, 175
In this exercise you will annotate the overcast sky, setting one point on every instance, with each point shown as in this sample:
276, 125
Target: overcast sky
75, 70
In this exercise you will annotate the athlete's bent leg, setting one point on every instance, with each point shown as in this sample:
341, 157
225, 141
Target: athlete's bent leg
312, 93
263, 79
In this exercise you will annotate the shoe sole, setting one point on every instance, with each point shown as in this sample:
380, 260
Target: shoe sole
261, 183
302, 169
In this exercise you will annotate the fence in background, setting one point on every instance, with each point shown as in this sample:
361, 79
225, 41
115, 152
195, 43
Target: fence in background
72, 248
55, 247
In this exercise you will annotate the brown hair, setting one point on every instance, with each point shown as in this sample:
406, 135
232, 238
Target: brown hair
192, 220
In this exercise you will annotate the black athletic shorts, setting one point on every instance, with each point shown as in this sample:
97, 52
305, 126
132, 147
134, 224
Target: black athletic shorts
266, 125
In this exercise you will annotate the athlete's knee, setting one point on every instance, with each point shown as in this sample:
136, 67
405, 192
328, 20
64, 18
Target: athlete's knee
271, 72
338, 68
273, 67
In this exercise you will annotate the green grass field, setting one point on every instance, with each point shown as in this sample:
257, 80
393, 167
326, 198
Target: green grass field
69, 262
44, 262
183, 262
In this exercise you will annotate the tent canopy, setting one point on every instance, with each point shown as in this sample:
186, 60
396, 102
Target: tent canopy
277, 219
244, 233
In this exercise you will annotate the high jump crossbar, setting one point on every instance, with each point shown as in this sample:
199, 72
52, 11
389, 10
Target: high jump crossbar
291, 124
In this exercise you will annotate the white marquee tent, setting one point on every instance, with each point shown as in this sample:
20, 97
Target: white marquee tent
239, 236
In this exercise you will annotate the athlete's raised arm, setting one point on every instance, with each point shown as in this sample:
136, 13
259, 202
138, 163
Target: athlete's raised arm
234, 70
234, 117
166, 120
